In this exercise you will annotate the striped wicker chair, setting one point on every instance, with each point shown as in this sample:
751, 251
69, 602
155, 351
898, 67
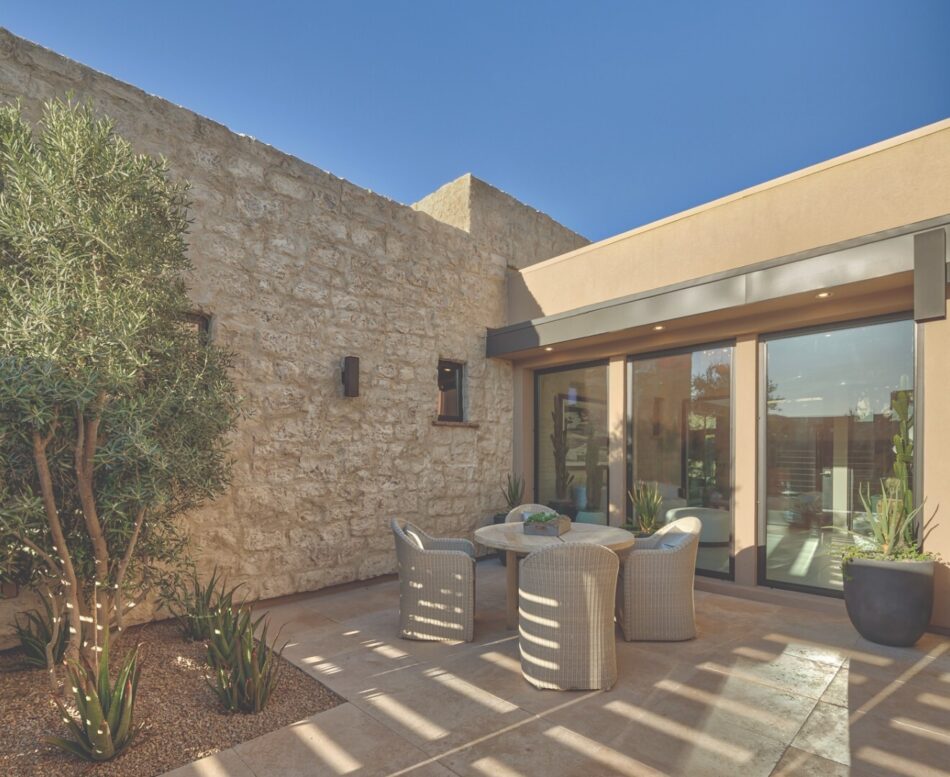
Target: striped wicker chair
517, 515
436, 586
655, 594
566, 602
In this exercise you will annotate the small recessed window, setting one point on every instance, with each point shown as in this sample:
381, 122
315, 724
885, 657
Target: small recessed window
450, 391
200, 323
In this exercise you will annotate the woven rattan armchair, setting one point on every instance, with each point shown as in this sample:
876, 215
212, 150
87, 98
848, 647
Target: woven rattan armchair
436, 585
655, 594
566, 603
517, 515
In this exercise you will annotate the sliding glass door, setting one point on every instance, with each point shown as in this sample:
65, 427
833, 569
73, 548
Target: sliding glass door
833, 402
571, 440
679, 411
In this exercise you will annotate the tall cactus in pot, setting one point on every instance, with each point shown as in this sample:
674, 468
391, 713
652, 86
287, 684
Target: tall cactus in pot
903, 408
562, 478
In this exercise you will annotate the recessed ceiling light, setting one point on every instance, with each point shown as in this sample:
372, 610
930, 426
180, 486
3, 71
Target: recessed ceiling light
659, 328
548, 348
823, 294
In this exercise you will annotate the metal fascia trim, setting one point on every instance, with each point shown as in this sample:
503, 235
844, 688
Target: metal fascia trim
881, 254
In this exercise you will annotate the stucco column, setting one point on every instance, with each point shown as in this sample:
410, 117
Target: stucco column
935, 453
617, 444
745, 365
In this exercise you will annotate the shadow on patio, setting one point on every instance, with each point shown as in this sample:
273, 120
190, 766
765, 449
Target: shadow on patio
763, 690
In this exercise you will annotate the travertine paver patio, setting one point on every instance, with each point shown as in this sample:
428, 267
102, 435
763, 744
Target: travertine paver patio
764, 690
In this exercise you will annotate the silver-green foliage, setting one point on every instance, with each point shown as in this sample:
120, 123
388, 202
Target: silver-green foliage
114, 415
246, 670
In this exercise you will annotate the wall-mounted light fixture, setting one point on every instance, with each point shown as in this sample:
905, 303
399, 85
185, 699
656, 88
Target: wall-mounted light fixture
351, 376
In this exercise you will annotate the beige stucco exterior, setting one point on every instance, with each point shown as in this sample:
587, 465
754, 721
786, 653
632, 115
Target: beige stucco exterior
862, 198
900, 181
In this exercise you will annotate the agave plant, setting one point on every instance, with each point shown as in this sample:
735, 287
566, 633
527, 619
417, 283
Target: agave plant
893, 529
246, 671
195, 604
105, 726
646, 501
513, 491
41, 630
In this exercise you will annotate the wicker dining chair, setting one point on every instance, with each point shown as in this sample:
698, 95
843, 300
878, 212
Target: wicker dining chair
436, 585
655, 592
566, 600
517, 515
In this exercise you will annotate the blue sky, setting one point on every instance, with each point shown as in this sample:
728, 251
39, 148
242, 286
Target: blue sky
606, 115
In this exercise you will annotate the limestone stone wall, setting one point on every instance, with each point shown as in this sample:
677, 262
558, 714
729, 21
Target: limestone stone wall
521, 234
298, 269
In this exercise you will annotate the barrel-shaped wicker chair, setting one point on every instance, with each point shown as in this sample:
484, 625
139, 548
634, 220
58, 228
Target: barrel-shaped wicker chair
655, 594
566, 599
517, 515
436, 586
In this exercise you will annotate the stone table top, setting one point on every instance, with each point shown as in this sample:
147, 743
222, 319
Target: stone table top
511, 537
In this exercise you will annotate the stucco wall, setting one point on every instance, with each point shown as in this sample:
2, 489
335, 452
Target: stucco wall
898, 182
300, 268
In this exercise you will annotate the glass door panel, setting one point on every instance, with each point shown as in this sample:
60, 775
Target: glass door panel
679, 408
571, 441
833, 404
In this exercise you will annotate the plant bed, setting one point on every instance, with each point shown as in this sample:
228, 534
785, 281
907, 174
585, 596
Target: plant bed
181, 717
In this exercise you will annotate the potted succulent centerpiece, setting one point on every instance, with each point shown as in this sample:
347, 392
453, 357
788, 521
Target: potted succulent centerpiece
888, 579
513, 491
547, 524
646, 500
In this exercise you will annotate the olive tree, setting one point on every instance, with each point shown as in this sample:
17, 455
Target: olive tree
114, 413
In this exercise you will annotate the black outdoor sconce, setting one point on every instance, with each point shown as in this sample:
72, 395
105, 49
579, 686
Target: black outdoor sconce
351, 376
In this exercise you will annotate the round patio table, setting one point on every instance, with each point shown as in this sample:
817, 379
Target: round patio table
510, 537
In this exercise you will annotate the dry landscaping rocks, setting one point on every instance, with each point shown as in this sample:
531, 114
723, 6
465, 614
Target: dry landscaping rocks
181, 718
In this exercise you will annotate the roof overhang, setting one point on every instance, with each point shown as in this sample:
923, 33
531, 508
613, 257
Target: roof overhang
862, 259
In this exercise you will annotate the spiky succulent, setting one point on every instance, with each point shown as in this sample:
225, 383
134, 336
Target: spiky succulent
246, 670
37, 632
195, 604
105, 726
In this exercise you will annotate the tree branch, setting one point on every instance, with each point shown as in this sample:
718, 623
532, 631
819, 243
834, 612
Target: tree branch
85, 450
54, 567
56, 529
124, 566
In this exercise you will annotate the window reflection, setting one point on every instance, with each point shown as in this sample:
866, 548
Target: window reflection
832, 410
680, 408
571, 442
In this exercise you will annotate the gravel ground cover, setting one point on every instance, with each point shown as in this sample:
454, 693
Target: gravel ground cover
181, 719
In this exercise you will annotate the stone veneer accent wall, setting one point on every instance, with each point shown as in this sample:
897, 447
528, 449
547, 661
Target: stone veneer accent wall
300, 268
486, 213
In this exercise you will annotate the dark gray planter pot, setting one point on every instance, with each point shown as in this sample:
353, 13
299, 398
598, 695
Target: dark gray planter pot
889, 602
